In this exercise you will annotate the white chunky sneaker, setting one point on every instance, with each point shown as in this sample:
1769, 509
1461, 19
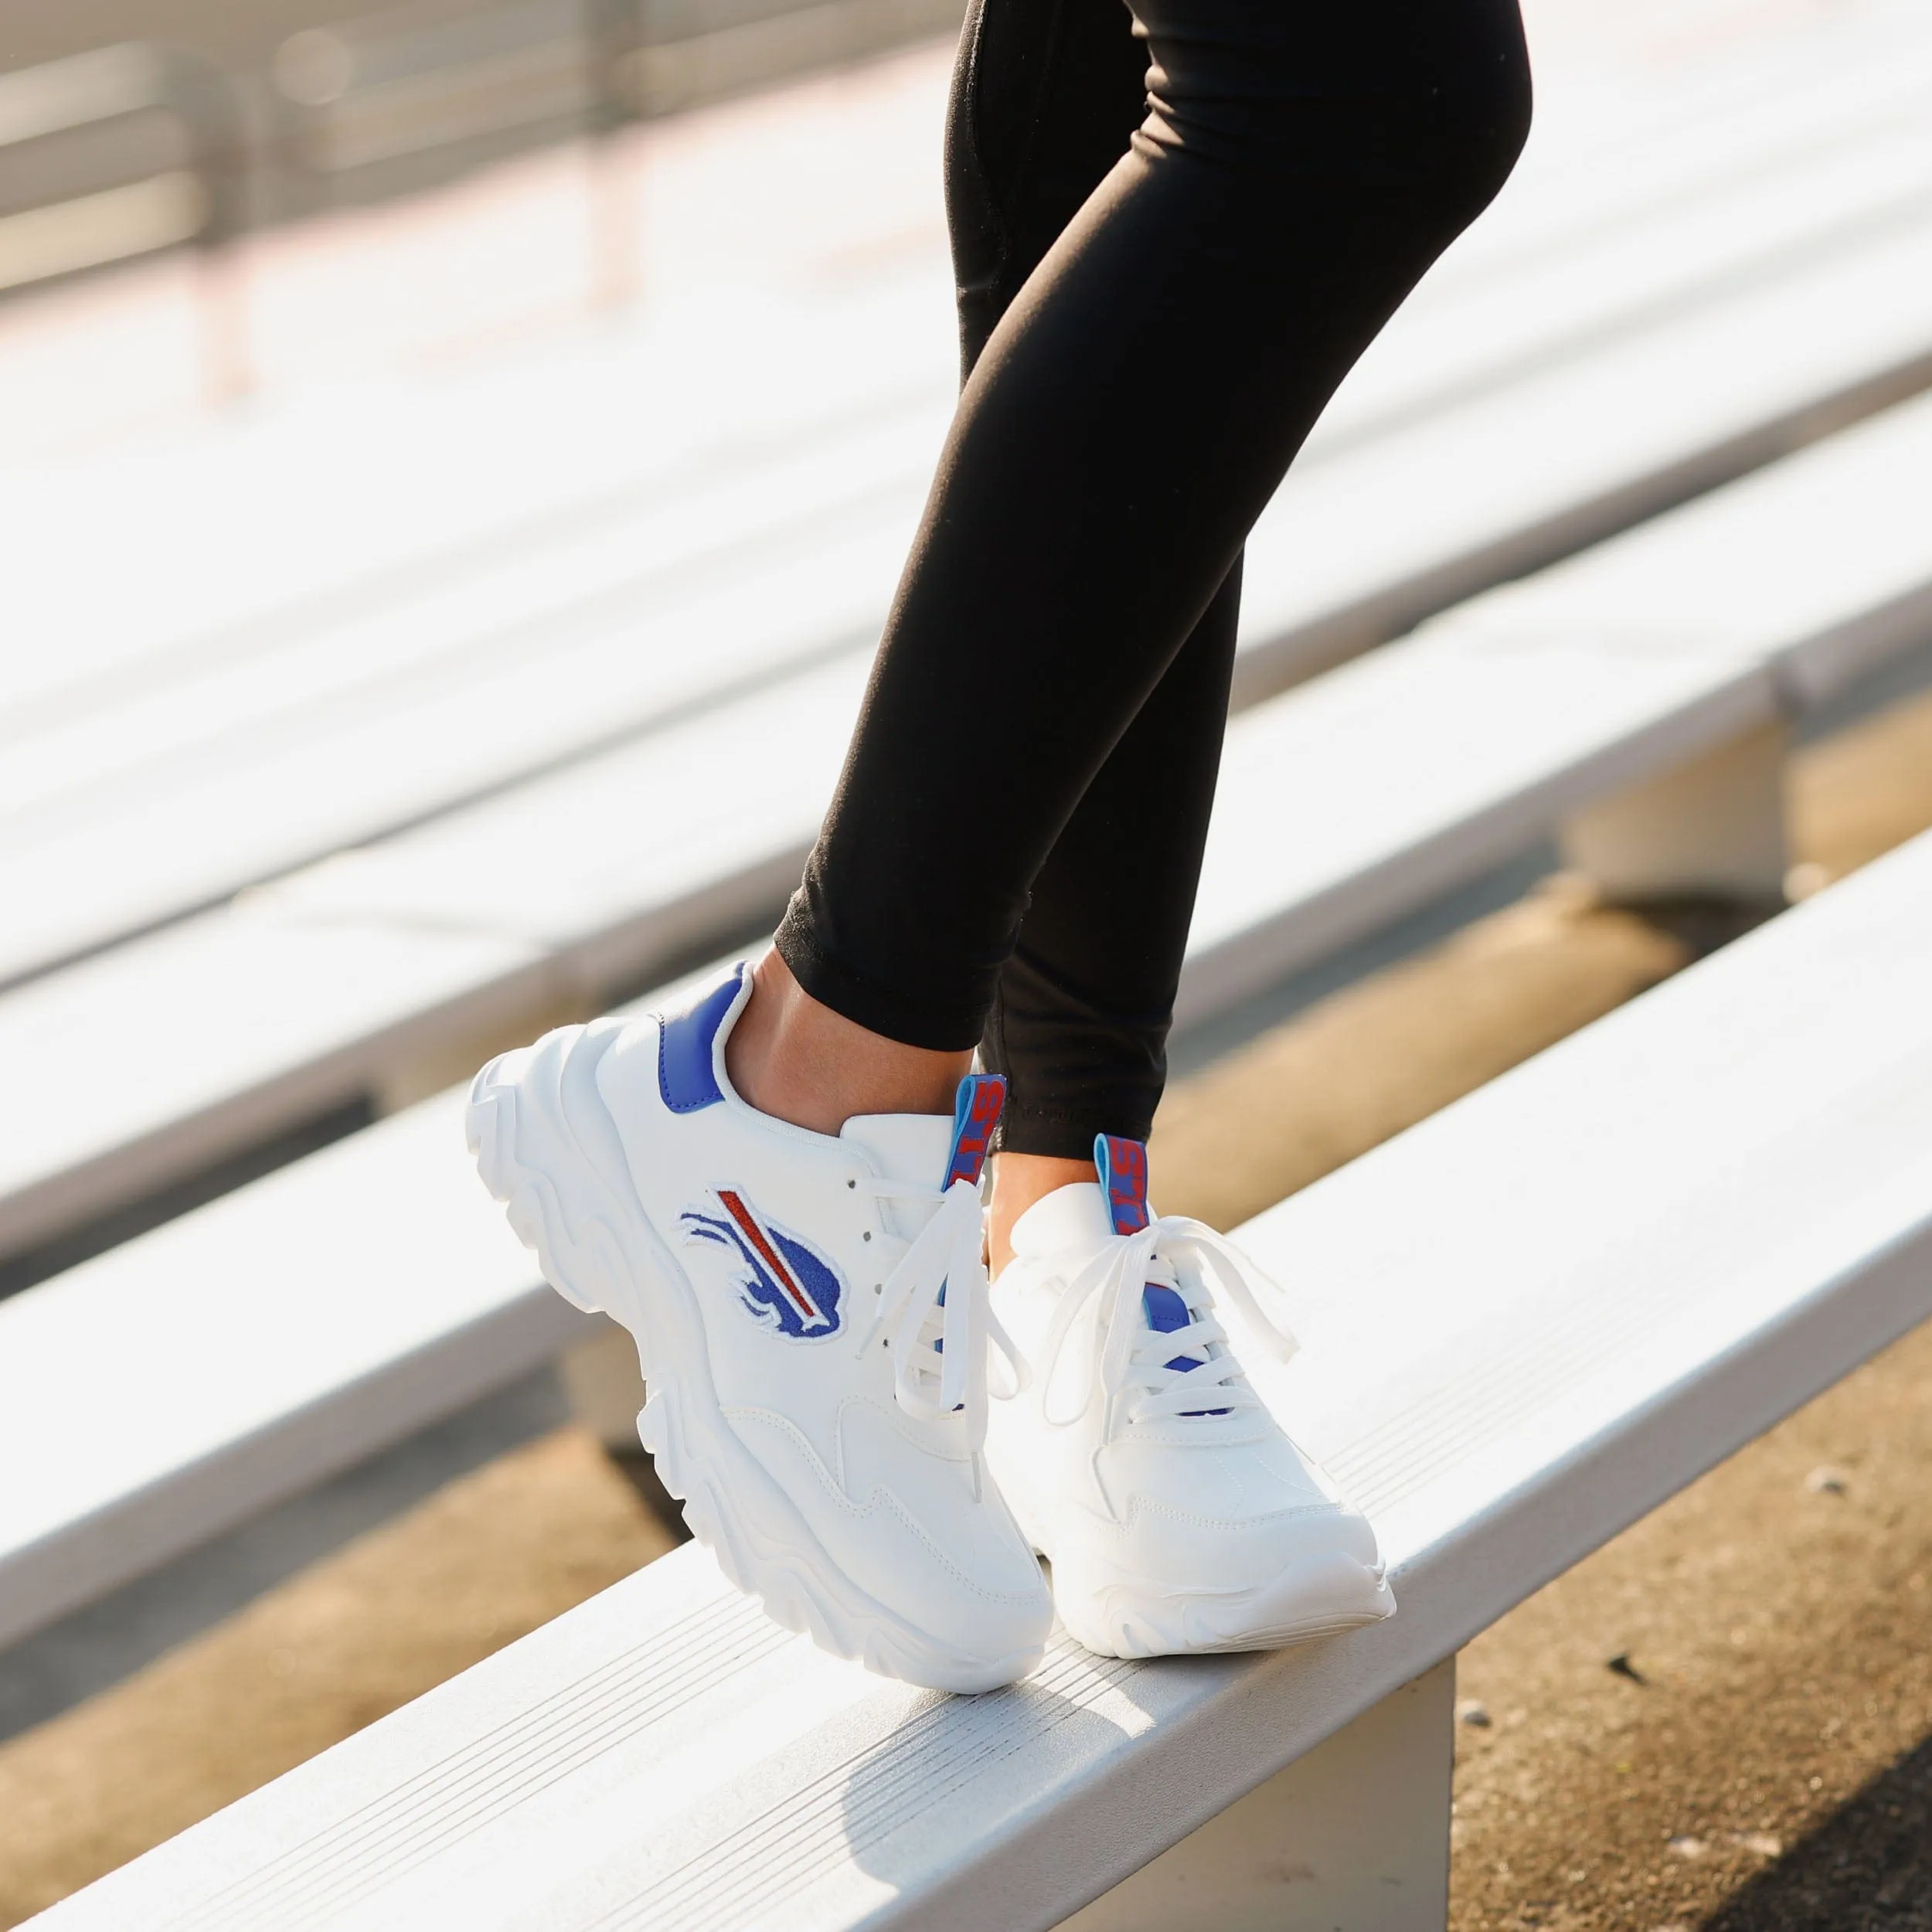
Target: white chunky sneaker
810, 1313
1176, 1514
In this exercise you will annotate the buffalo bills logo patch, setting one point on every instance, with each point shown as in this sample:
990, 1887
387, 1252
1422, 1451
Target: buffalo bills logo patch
784, 1284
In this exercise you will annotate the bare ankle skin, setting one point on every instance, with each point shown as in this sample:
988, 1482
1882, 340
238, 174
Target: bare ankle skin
1018, 1180
797, 1060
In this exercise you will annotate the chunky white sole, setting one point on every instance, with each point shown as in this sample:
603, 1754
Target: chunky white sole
1317, 1597
1113, 1613
547, 1148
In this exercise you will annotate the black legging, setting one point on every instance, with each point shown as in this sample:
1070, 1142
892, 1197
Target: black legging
1152, 317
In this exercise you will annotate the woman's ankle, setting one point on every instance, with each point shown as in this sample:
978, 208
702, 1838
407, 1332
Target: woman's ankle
1018, 1180
793, 1058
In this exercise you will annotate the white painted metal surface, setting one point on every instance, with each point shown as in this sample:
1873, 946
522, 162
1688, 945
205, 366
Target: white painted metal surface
1525, 1322
1352, 1837
1712, 828
1346, 556
345, 978
179, 732
234, 1357
1344, 803
1505, 717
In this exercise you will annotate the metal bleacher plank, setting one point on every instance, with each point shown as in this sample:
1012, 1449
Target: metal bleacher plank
384, 487
1612, 150
617, 626
1502, 420
1351, 552
1344, 802
344, 978
1525, 1323
318, 1315
1499, 302
1483, 731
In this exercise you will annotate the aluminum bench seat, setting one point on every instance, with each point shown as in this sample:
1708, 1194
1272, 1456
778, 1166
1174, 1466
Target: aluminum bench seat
1525, 1323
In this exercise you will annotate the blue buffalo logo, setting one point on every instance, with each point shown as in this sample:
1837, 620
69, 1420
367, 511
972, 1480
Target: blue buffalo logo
785, 1285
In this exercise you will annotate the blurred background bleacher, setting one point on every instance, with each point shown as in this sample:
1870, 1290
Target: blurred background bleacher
426, 433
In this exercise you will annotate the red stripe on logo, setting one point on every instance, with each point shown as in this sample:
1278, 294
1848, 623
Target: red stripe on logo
755, 1235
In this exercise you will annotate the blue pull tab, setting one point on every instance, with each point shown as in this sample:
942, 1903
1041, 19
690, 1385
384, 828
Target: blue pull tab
975, 1114
1122, 1167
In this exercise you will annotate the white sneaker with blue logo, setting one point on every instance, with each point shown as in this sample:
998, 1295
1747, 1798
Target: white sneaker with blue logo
811, 1316
1176, 1514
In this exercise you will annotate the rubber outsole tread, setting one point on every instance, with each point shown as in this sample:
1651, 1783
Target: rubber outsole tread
1156, 1626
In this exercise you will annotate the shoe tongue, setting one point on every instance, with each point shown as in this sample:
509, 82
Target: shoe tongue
912, 1148
1166, 1312
927, 1149
903, 1147
1081, 1215
1074, 1216
1085, 1212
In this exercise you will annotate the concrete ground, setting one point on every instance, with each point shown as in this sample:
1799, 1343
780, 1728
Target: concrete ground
1723, 1720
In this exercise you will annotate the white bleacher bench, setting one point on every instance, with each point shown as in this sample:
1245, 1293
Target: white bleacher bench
1525, 1322
1576, 364
1394, 779
1633, 697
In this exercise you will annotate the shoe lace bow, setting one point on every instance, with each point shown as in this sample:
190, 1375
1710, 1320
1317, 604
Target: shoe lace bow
935, 1309
1133, 1366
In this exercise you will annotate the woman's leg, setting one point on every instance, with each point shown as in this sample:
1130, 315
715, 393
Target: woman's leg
1133, 409
1083, 1006
1046, 96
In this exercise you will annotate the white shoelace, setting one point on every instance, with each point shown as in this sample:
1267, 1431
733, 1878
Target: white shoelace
1133, 1356
936, 1297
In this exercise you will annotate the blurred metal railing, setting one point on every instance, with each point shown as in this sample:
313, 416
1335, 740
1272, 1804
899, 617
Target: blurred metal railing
77, 194
380, 88
396, 84
370, 108
203, 198
665, 73
368, 105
